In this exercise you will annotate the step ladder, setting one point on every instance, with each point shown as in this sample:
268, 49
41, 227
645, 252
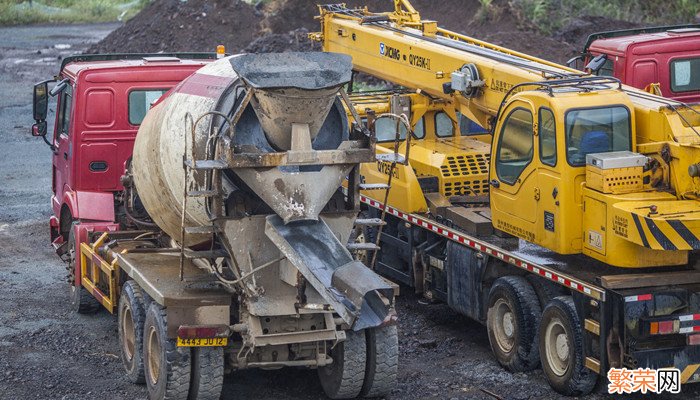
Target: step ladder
394, 159
212, 192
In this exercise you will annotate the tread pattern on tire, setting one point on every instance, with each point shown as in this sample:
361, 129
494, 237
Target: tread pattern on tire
583, 380
545, 290
344, 378
382, 361
177, 360
81, 300
132, 292
528, 312
207, 377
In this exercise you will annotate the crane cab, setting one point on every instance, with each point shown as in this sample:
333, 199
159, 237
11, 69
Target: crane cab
538, 166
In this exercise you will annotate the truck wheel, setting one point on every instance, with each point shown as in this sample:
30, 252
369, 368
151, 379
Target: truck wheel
512, 321
207, 378
131, 318
167, 367
343, 379
81, 301
545, 290
561, 346
382, 361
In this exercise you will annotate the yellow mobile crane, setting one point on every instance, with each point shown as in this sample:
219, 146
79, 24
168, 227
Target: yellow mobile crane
591, 175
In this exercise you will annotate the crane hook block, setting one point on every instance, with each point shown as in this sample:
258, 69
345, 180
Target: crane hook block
466, 81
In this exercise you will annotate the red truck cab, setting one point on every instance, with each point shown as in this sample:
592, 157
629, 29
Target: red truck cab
668, 56
101, 101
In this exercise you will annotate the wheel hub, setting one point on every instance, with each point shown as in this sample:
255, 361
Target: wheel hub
557, 347
504, 331
154, 354
562, 344
129, 333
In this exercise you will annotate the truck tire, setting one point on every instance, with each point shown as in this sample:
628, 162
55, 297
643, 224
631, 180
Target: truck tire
207, 378
343, 379
512, 322
382, 361
167, 367
81, 301
545, 290
131, 317
561, 347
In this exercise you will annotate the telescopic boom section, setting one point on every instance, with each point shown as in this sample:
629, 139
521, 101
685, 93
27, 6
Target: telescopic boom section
401, 48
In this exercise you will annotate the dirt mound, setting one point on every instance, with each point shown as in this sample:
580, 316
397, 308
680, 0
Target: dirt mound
282, 25
577, 30
194, 25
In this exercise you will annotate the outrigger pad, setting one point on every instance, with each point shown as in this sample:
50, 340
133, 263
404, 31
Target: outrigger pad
354, 291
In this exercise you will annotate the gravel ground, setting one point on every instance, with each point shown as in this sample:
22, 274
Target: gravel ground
47, 352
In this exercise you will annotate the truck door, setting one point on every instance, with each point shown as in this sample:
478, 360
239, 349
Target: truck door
63, 153
514, 192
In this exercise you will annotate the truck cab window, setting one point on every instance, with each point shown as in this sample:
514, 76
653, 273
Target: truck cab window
685, 75
596, 130
443, 125
607, 69
548, 137
64, 112
515, 145
140, 102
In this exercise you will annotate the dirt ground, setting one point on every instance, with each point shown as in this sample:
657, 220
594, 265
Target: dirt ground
47, 352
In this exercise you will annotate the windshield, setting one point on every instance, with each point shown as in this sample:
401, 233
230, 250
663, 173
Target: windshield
685, 75
596, 130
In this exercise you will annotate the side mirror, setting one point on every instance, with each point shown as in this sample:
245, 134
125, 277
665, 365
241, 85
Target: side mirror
573, 62
39, 129
597, 63
41, 101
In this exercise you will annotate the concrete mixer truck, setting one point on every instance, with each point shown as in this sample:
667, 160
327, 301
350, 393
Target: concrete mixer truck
219, 232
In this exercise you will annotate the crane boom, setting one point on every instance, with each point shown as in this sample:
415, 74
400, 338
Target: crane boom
417, 54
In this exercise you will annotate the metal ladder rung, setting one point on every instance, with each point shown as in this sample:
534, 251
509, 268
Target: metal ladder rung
369, 222
373, 186
206, 164
203, 193
391, 157
205, 253
363, 246
200, 229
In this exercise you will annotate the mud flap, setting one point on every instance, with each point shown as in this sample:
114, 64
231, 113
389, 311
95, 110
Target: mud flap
353, 290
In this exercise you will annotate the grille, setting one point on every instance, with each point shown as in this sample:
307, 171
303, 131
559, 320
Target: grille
475, 187
466, 164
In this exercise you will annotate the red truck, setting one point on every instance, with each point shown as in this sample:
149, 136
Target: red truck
102, 100
668, 56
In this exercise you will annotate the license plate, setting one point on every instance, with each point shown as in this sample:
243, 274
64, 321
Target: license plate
208, 342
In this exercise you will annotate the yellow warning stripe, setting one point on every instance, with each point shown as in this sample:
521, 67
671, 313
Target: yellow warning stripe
688, 372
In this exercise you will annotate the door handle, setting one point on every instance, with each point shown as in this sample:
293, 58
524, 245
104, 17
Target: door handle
495, 183
65, 155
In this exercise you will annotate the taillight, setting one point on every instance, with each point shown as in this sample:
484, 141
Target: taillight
202, 331
694, 340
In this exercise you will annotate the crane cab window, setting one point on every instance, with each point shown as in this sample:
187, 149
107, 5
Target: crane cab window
385, 129
685, 75
140, 102
548, 138
443, 125
596, 130
515, 145
468, 127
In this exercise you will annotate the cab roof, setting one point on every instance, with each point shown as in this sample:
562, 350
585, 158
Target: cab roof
684, 37
74, 65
